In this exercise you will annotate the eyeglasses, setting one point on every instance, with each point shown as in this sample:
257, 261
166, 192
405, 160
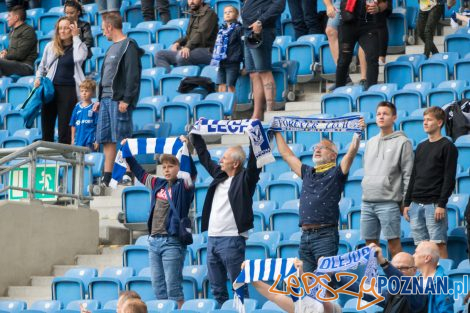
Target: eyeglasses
405, 268
321, 147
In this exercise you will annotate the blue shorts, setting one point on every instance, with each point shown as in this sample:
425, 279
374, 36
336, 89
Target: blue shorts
380, 216
334, 22
113, 126
424, 226
259, 59
228, 74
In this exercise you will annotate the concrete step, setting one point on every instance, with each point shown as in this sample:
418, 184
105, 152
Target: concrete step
303, 113
114, 192
115, 250
303, 105
29, 300
99, 261
113, 201
420, 49
30, 291
108, 213
231, 140
41, 280
113, 235
59, 270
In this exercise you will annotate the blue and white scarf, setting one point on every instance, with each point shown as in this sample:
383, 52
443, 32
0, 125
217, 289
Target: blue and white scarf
141, 146
253, 128
260, 270
344, 262
221, 43
314, 124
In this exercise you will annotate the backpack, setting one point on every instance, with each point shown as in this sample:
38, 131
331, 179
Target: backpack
457, 121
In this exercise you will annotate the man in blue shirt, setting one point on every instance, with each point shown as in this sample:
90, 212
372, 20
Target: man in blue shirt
83, 121
322, 187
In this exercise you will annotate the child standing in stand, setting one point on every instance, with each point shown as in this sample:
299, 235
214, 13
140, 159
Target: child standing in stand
83, 121
228, 50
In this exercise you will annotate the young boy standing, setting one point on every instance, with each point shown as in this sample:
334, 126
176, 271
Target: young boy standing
83, 121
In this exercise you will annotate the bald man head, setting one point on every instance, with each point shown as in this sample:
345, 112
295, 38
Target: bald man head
426, 255
405, 263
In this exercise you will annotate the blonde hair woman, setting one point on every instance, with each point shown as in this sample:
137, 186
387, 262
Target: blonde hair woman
62, 63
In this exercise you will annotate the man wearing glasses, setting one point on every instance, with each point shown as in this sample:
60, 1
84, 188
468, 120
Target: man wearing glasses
322, 186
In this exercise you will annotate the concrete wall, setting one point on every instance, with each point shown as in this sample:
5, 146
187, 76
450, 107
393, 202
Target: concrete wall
34, 237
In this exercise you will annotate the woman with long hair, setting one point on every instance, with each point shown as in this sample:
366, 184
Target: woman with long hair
62, 63
74, 10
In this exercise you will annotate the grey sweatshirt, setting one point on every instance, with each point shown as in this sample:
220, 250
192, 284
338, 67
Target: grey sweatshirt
388, 162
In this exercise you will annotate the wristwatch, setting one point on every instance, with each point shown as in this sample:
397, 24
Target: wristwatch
259, 23
385, 264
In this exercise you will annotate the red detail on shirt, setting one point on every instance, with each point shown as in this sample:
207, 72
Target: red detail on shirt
161, 194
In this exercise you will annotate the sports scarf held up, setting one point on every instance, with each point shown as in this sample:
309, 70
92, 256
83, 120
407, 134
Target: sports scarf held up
260, 270
315, 124
253, 128
141, 146
221, 43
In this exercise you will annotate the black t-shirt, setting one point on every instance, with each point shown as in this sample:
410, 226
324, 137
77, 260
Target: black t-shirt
65, 68
320, 195
433, 176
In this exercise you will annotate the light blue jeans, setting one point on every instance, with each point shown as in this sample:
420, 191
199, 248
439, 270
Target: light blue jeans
166, 256
105, 6
423, 224
380, 216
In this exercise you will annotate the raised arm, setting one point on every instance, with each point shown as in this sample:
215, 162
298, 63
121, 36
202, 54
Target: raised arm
348, 159
287, 154
204, 156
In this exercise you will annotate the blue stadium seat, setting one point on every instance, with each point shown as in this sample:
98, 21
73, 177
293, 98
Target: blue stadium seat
462, 70
73, 285
200, 196
97, 158
447, 92
282, 84
457, 248
414, 59
397, 29
353, 188
287, 27
136, 204
210, 71
304, 50
407, 100
243, 91
47, 21
285, 221
33, 16
278, 167
463, 182
47, 306
12, 306
144, 32
383, 244
281, 191
90, 305
155, 73
413, 126
108, 286
143, 286
368, 100
341, 101
266, 240
278, 52
152, 48
221, 4
135, 257
447, 57
27, 80
405, 227
291, 204
226, 98
447, 264
4, 83
289, 248
327, 64
250, 305
133, 15
163, 306
399, 73
172, 31
196, 273
17, 93
187, 70
178, 114
169, 84
345, 205
155, 101
269, 305
351, 236
434, 71
142, 241
464, 154
265, 207
306, 138
13, 121
144, 114
459, 43
189, 98
465, 264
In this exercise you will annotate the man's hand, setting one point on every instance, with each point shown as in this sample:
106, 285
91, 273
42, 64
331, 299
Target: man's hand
96, 107
184, 52
3, 54
75, 30
378, 250
439, 214
96, 146
37, 82
299, 265
184, 139
256, 27
405, 213
174, 47
123, 107
372, 8
331, 11
362, 124
123, 142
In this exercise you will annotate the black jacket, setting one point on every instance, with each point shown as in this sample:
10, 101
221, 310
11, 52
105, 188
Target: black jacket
241, 190
126, 83
202, 29
266, 11
22, 45
235, 47
85, 35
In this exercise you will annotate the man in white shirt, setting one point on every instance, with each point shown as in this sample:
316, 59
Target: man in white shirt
227, 214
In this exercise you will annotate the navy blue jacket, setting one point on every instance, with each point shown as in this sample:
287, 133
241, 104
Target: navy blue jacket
181, 194
266, 11
240, 193
235, 46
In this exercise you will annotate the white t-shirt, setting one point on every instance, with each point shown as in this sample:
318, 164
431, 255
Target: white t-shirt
221, 220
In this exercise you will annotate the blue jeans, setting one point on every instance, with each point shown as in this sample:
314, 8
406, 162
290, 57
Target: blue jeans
228, 74
259, 59
224, 255
105, 6
423, 224
317, 243
113, 125
380, 216
166, 256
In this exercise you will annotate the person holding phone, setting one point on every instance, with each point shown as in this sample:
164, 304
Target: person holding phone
62, 62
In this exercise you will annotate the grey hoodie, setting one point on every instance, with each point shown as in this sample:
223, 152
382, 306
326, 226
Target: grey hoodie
388, 162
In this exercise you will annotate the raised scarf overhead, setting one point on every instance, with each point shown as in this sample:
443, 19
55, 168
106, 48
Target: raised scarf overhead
253, 128
317, 124
141, 146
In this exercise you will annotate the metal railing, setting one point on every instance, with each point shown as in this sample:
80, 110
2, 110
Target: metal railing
39, 154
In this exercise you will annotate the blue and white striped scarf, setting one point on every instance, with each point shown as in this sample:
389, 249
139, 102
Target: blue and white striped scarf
254, 129
221, 43
141, 146
315, 124
260, 270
